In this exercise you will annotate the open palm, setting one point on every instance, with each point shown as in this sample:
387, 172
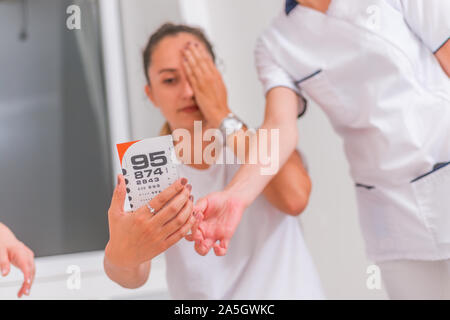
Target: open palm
221, 215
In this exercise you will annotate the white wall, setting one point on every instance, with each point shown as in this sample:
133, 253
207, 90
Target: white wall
140, 19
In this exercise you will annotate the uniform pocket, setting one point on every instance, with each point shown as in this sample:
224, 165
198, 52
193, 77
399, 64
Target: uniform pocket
375, 216
432, 193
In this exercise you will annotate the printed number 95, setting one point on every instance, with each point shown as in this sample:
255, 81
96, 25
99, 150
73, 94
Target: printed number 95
156, 159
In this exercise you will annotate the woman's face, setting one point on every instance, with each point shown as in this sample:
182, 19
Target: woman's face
169, 89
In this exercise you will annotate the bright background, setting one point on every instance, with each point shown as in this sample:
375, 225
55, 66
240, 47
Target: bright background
330, 223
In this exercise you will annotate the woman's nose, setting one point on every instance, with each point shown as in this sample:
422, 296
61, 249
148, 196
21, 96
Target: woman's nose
188, 92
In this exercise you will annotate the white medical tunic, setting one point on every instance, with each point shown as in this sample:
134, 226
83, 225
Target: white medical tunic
370, 65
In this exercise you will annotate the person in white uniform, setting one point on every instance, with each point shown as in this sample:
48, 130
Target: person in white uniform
379, 69
268, 258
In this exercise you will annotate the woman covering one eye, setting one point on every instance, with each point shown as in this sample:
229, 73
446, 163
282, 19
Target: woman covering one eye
267, 257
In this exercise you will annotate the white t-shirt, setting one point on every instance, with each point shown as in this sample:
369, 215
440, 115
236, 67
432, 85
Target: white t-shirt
267, 257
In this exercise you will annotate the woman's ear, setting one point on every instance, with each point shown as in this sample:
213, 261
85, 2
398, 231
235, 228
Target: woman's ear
149, 93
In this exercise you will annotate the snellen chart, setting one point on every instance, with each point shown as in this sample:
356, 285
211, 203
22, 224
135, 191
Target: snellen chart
149, 166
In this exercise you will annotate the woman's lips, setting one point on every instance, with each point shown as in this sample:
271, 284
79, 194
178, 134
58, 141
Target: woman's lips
190, 109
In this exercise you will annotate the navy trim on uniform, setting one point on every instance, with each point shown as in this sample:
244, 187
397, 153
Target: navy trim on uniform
436, 167
308, 77
440, 47
304, 108
290, 5
359, 185
302, 97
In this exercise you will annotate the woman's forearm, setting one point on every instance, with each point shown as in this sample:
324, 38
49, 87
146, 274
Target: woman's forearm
130, 278
127, 278
290, 189
281, 115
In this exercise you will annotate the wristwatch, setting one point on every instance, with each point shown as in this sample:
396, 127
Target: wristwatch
230, 125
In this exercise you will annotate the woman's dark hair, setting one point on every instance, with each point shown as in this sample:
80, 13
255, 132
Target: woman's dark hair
167, 30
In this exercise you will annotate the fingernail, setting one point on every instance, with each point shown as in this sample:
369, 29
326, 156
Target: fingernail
27, 292
189, 187
183, 181
28, 280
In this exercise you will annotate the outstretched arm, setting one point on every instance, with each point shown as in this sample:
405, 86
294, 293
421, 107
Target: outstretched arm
281, 115
290, 188
222, 211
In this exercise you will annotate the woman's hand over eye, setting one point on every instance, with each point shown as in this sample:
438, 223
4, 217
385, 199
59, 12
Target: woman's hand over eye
207, 83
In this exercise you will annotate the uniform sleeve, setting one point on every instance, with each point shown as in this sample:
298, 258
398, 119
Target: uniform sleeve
272, 75
429, 19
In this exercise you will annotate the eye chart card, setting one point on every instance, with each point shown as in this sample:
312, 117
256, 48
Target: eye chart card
149, 166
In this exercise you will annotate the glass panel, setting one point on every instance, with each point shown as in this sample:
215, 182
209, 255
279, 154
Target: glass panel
55, 184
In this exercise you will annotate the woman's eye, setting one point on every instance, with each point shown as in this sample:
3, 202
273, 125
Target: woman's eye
169, 81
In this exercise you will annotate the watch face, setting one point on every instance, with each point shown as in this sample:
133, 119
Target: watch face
232, 124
